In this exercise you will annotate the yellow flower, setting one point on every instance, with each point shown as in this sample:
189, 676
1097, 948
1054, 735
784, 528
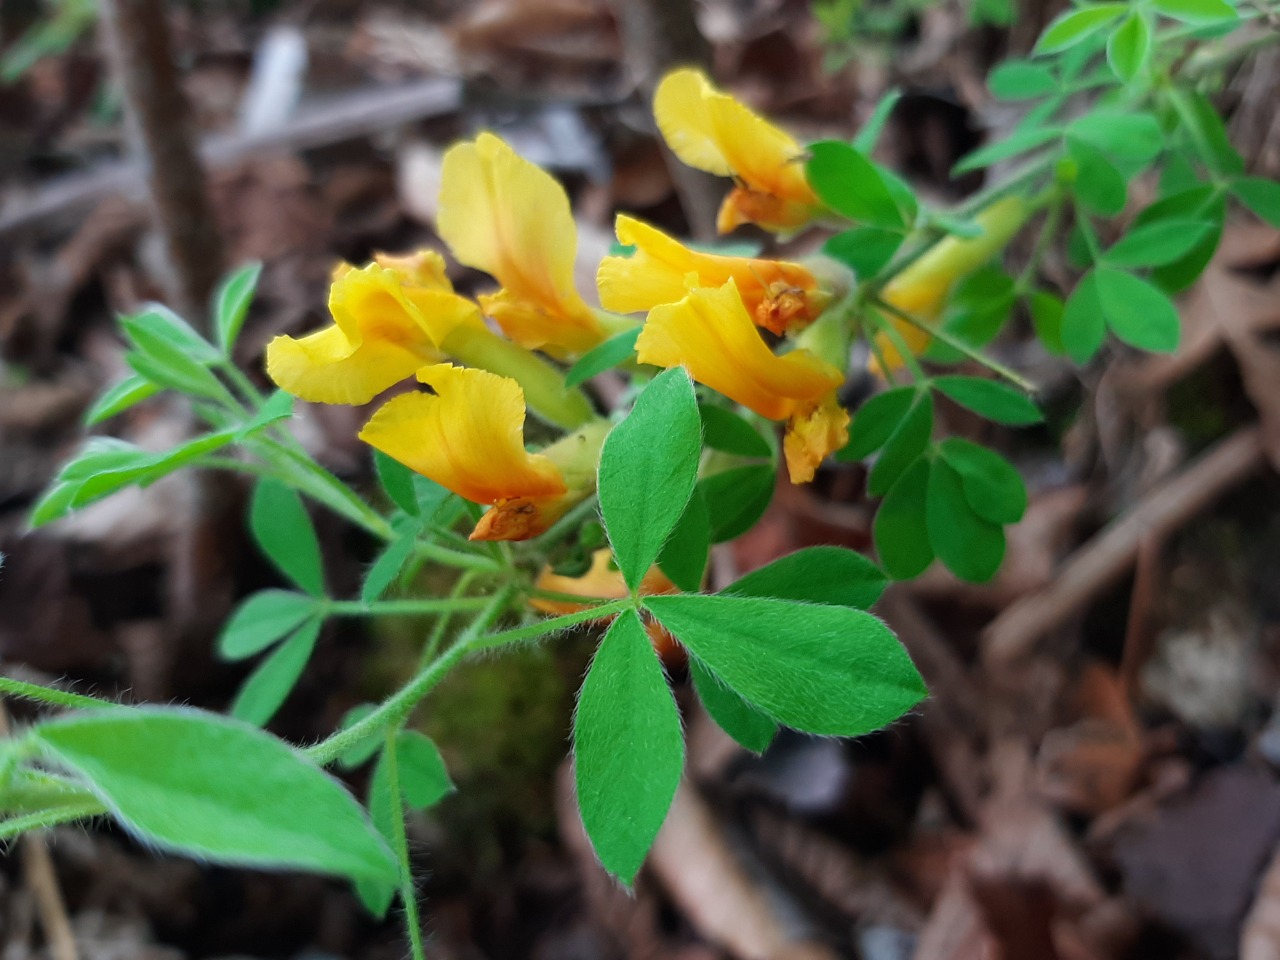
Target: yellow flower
710, 333
922, 289
502, 214
712, 131
388, 322
780, 296
468, 436
603, 581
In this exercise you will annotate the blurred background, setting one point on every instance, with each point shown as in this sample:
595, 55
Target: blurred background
1095, 774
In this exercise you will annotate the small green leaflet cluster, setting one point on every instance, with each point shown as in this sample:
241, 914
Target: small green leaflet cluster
165, 354
1125, 57
950, 499
789, 644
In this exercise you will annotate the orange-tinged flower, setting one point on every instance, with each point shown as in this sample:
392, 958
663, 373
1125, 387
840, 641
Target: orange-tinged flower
468, 436
710, 333
502, 214
780, 296
922, 289
712, 131
388, 322
603, 581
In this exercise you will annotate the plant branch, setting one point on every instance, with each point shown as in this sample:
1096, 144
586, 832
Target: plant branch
400, 846
394, 710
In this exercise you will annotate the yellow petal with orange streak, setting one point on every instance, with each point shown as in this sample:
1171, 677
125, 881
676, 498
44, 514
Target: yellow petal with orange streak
657, 272
603, 581
468, 437
504, 215
813, 434
710, 130
711, 334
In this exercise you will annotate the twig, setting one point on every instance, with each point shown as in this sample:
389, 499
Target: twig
1104, 559
37, 867
345, 118
140, 49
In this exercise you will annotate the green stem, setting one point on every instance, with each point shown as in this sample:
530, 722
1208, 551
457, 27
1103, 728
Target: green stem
442, 622
899, 342
400, 846
560, 597
16, 826
242, 382
59, 698
395, 709
954, 343
404, 608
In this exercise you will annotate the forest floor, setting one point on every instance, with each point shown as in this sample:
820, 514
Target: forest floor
1096, 774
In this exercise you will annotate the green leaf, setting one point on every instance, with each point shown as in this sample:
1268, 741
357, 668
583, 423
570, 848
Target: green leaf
992, 485
1137, 312
648, 469
1129, 140
1129, 48
424, 779
907, 442
1260, 195
158, 322
1203, 202
217, 789
726, 431
277, 407
970, 547
816, 575
166, 366
1018, 142
617, 349
283, 530
1079, 24
991, 399
262, 620
864, 250
1046, 317
739, 719
397, 482
736, 499
684, 556
274, 679
55, 503
1197, 11
876, 421
1203, 122
119, 398
387, 567
1099, 187
628, 748
995, 13
1083, 325
1157, 243
231, 303
832, 671
1021, 80
900, 531
867, 138
850, 184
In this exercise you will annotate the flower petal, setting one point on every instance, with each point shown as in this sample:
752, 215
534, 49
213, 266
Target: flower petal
326, 367
710, 333
712, 131
468, 436
422, 268
779, 295
502, 214
812, 435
